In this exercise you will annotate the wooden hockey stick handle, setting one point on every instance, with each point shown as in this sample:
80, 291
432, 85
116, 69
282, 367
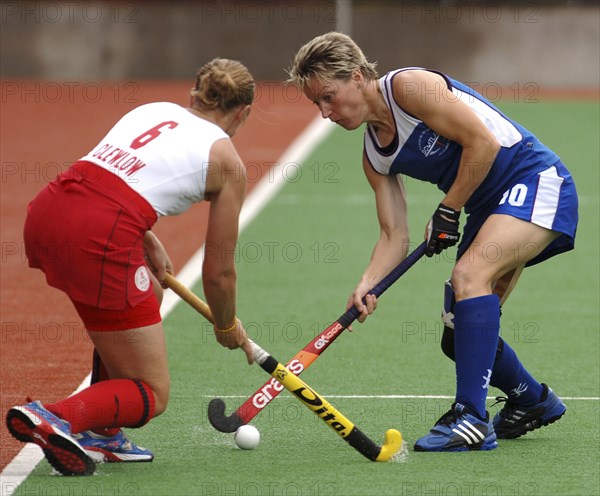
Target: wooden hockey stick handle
188, 296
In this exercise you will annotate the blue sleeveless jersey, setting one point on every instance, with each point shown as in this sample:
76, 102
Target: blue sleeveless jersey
419, 152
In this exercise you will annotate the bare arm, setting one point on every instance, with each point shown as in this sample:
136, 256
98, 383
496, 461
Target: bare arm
392, 246
225, 189
226, 183
426, 96
156, 256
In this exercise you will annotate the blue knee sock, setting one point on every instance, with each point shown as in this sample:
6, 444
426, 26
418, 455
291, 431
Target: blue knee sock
476, 330
513, 379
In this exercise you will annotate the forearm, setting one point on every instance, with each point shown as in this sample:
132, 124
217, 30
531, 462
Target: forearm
220, 289
156, 256
151, 242
388, 252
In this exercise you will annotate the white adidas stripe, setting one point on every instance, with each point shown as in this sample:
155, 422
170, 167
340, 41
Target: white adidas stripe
469, 432
465, 437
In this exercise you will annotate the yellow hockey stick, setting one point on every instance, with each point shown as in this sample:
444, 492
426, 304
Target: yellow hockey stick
314, 401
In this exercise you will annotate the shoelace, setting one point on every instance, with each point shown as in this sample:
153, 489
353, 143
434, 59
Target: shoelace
507, 410
449, 418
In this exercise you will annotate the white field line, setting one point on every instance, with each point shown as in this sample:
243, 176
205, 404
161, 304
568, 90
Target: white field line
23, 464
402, 397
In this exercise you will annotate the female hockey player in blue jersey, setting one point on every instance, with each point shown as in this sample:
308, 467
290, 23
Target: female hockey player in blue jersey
519, 197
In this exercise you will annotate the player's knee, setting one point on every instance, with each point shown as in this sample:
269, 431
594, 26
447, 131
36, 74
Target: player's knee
464, 281
161, 398
160, 406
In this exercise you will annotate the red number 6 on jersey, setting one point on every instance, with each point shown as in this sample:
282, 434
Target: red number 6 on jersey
148, 136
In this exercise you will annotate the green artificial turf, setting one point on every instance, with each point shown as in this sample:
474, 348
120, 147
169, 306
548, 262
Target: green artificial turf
297, 264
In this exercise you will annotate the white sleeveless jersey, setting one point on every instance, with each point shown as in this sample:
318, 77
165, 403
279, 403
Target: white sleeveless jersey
161, 150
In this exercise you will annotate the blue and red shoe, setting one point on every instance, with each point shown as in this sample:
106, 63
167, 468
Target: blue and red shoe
116, 448
32, 423
459, 430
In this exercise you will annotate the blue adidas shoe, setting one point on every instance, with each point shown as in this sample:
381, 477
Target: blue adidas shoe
112, 449
459, 430
515, 420
32, 423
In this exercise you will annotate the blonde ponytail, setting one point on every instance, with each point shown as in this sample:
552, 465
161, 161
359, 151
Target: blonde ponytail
222, 84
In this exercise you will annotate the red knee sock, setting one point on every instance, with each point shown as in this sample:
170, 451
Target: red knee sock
111, 403
99, 373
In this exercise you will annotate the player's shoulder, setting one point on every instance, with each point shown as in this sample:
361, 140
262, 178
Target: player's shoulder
416, 84
148, 112
181, 115
406, 75
158, 107
223, 150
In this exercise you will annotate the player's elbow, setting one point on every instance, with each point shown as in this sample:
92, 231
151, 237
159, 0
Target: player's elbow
494, 147
396, 237
490, 144
219, 278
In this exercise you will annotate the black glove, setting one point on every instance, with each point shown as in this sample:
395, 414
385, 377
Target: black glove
442, 230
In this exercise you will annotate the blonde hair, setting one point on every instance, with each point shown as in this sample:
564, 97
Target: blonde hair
327, 57
222, 84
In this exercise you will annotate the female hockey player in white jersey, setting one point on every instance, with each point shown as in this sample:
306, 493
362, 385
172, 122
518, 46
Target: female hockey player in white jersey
157, 160
519, 196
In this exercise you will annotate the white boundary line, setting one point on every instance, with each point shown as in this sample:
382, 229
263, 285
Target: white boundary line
403, 397
15, 473
26, 460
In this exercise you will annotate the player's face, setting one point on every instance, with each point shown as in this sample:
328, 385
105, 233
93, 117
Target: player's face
341, 101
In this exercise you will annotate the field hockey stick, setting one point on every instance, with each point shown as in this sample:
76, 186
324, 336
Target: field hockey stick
303, 359
308, 396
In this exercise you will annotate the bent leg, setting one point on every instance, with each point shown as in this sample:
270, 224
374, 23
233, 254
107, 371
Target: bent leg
137, 354
137, 390
100, 374
503, 245
502, 288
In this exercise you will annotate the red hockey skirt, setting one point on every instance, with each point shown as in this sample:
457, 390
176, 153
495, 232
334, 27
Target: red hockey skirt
85, 231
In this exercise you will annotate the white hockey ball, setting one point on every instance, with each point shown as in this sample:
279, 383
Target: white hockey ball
247, 437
